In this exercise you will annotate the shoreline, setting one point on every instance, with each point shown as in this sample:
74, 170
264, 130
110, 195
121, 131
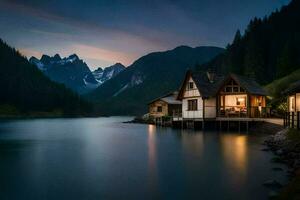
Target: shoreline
285, 145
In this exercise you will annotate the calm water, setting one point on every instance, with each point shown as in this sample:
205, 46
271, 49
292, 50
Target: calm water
102, 158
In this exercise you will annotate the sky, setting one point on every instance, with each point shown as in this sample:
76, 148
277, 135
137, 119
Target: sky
103, 32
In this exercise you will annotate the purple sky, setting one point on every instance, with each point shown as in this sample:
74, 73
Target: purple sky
105, 32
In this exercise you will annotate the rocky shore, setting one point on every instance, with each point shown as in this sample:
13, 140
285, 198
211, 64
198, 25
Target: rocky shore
286, 149
286, 146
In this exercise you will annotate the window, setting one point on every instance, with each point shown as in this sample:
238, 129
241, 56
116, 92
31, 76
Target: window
241, 101
235, 89
159, 108
191, 85
192, 104
228, 89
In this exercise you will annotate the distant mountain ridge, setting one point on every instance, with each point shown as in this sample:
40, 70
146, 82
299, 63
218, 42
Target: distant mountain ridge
147, 78
74, 72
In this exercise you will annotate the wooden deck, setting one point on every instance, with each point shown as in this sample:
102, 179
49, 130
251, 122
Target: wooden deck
244, 119
277, 121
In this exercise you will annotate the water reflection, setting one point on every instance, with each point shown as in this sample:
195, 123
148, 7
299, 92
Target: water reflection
234, 150
192, 143
152, 157
106, 159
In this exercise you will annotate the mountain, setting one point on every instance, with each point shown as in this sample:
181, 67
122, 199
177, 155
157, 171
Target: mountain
109, 72
25, 89
147, 78
268, 50
71, 71
75, 73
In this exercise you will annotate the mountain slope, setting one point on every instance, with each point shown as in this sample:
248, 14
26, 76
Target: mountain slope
25, 88
269, 49
148, 77
109, 72
71, 71
276, 87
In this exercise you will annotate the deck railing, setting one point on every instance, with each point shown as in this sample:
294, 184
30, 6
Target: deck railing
244, 112
292, 120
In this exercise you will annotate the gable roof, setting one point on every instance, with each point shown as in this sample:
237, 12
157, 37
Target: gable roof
170, 98
293, 88
205, 87
249, 84
210, 89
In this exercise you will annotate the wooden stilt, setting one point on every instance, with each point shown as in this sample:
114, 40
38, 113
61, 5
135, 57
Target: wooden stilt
228, 125
293, 120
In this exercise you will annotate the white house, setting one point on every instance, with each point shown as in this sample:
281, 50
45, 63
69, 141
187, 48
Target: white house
198, 95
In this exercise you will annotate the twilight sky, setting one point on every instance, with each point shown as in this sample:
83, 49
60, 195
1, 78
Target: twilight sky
103, 32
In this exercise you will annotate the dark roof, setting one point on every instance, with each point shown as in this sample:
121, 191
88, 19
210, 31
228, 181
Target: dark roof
205, 87
210, 89
293, 88
249, 84
170, 98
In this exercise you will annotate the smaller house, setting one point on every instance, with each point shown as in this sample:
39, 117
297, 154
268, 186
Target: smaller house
292, 119
293, 93
164, 106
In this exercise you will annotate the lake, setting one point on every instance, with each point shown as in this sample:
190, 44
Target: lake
103, 158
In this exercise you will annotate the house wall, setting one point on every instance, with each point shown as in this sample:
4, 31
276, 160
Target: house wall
254, 101
189, 113
177, 108
210, 108
298, 101
189, 95
153, 109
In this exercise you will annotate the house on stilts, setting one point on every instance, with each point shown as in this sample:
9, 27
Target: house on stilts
208, 97
162, 109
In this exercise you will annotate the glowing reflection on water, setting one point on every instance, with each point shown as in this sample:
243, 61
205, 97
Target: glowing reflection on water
234, 150
152, 158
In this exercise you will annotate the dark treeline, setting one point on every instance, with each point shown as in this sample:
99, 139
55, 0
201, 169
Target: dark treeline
269, 49
25, 89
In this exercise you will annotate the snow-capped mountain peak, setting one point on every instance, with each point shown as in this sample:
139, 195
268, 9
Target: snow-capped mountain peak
109, 72
75, 73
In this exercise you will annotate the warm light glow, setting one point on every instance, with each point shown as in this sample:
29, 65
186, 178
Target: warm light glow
292, 104
234, 149
152, 158
241, 99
